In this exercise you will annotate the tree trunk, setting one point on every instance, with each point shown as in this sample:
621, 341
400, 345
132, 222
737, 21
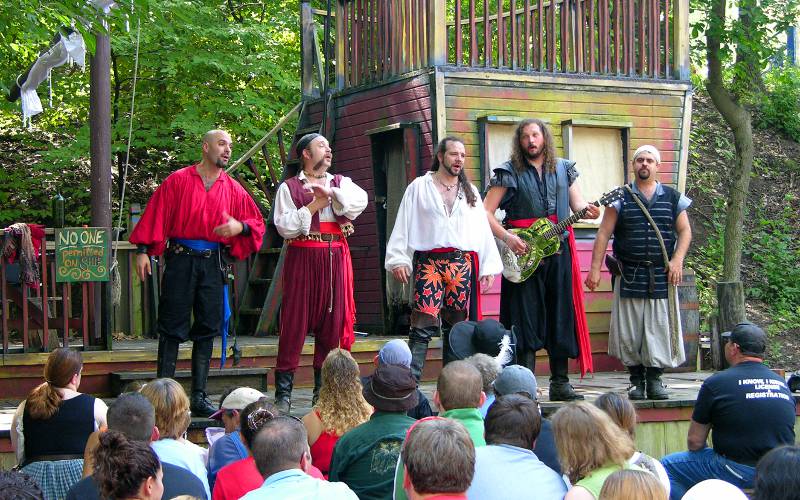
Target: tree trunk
738, 119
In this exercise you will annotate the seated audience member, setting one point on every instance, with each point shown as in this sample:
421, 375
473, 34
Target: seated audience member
18, 486
630, 484
172, 419
396, 352
458, 395
282, 456
133, 415
507, 467
749, 409
591, 447
488, 346
714, 489
229, 448
365, 458
127, 469
778, 475
489, 369
517, 379
239, 478
50, 427
340, 407
623, 413
439, 460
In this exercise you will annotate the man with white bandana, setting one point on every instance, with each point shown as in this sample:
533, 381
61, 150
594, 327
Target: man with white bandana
640, 328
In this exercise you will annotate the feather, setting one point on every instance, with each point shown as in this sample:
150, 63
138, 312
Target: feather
506, 351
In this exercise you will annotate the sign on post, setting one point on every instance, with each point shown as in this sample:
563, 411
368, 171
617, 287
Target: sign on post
82, 254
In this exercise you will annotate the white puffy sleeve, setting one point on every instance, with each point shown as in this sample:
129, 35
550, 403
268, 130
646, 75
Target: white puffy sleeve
398, 251
349, 199
290, 221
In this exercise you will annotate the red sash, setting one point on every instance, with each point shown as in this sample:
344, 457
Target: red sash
475, 311
581, 328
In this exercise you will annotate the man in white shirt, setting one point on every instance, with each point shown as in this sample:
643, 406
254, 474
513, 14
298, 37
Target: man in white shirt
314, 211
442, 236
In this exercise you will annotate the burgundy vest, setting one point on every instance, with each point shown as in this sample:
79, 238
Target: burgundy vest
302, 197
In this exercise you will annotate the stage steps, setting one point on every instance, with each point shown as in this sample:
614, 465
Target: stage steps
218, 379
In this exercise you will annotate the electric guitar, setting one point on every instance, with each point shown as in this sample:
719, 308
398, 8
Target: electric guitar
543, 238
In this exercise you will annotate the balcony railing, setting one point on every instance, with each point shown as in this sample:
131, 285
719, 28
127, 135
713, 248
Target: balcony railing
374, 40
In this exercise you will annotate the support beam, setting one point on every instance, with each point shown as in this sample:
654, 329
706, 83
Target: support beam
437, 33
680, 40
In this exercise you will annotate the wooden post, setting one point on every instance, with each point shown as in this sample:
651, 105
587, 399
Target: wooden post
680, 39
307, 48
100, 150
437, 33
341, 34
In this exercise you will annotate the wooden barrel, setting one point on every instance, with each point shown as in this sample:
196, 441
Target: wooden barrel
690, 320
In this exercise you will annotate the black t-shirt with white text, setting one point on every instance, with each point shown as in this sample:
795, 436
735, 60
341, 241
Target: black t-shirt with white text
750, 410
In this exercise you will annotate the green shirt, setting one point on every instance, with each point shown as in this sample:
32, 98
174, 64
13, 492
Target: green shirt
594, 481
366, 457
471, 419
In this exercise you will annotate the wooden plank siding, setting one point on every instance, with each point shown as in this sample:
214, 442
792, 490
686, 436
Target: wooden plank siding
406, 100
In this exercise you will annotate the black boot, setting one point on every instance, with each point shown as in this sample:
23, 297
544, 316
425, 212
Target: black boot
201, 363
655, 389
167, 357
317, 385
284, 381
560, 388
418, 352
637, 390
527, 359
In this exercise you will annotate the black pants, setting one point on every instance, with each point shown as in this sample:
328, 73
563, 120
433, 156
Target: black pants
191, 284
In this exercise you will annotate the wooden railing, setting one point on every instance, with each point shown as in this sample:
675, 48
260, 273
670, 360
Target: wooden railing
634, 38
374, 40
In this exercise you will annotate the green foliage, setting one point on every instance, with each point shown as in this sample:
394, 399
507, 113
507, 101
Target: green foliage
203, 64
780, 106
775, 248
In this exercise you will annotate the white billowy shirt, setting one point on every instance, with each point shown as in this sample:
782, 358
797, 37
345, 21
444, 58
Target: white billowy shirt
348, 200
423, 224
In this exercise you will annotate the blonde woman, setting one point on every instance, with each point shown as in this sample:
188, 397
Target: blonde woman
591, 447
623, 413
50, 428
341, 407
172, 419
633, 485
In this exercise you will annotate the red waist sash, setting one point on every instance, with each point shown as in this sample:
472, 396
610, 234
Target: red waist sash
581, 328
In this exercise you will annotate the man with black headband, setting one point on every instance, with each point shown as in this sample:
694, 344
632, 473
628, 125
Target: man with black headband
641, 334
442, 244
314, 211
197, 213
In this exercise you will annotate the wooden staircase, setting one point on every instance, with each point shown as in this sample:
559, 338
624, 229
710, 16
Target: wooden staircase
258, 309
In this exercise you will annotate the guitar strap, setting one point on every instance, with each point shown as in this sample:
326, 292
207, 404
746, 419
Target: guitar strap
672, 293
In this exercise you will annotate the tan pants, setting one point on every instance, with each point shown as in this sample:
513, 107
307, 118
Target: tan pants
639, 333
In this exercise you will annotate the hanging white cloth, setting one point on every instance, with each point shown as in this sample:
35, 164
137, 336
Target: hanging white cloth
67, 48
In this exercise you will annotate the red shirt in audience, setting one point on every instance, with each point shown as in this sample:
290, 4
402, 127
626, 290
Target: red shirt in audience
239, 478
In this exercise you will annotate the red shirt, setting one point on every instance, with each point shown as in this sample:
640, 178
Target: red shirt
240, 478
182, 208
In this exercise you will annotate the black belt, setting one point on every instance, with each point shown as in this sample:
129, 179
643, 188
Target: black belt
456, 254
51, 458
178, 249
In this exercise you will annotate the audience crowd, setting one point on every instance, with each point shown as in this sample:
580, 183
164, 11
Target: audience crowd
359, 441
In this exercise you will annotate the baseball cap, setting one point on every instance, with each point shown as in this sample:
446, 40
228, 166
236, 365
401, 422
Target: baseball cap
395, 352
514, 379
237, 400
750, 338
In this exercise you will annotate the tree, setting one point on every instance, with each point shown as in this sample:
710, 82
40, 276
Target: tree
738, 47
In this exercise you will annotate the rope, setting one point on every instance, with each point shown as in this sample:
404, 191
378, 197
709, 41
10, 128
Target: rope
116, 290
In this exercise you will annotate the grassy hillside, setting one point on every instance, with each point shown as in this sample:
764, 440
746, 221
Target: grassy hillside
771, 261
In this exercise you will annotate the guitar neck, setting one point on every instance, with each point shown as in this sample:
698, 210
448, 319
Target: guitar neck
572, 219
